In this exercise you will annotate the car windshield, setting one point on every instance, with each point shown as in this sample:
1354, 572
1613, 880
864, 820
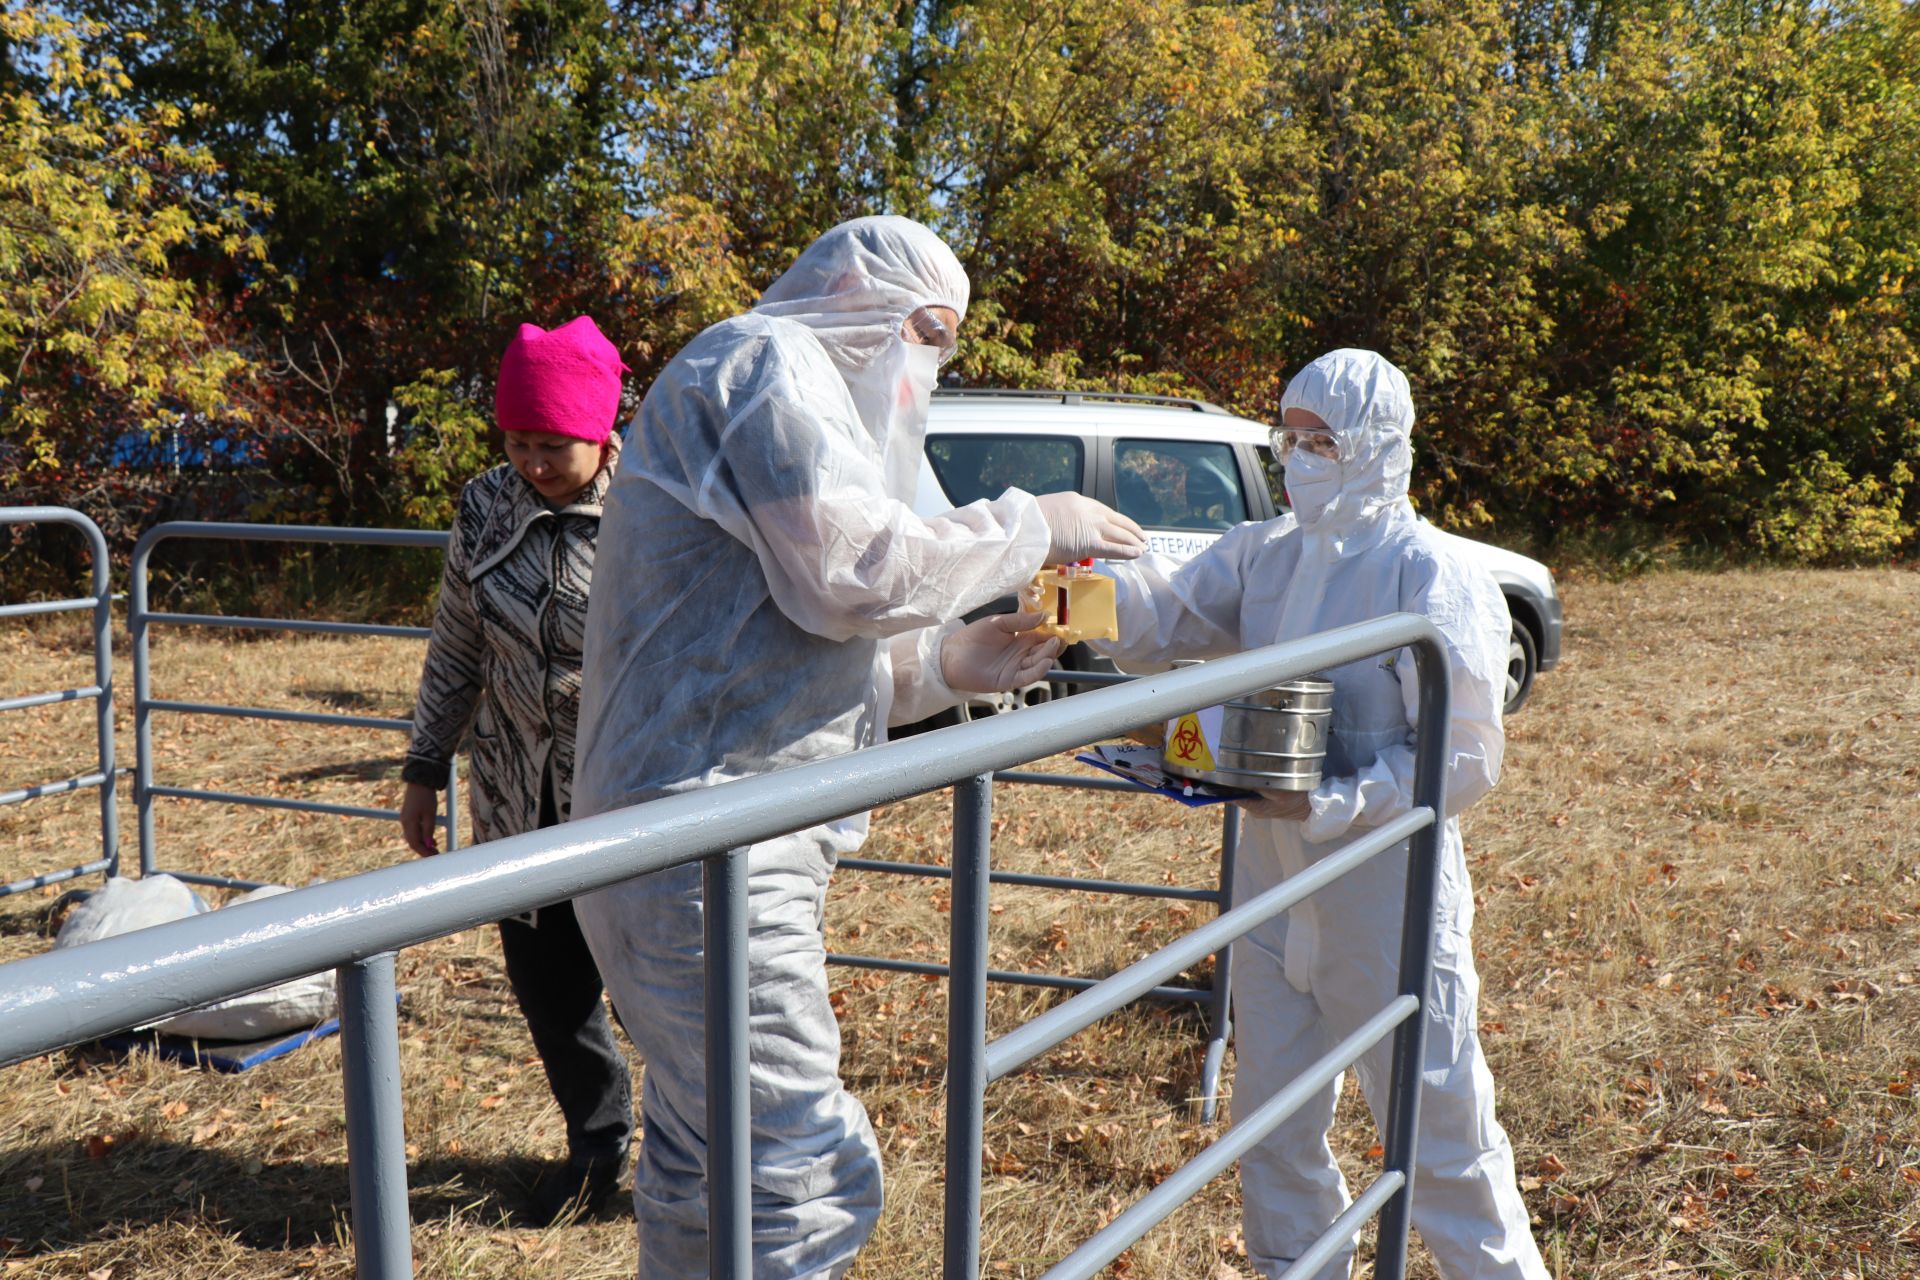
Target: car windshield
971, 467
1169, 484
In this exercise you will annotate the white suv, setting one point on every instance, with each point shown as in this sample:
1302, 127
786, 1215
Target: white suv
1186, 470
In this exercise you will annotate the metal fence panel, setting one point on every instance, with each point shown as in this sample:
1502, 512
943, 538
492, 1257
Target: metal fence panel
147, 790
64, 998
1421, 829
100, 692
141, 618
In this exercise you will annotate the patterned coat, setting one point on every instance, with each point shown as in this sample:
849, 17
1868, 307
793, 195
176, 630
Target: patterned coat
504, 657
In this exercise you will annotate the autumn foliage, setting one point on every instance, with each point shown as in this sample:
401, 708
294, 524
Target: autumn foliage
1649, 263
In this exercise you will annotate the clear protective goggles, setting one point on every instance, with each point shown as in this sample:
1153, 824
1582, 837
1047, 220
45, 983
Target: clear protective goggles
1316, 440
925, 327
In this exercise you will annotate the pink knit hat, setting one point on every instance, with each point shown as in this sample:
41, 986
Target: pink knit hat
565, 383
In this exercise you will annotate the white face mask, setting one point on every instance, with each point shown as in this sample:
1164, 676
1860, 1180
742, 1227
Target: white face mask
891, 393
1313, 482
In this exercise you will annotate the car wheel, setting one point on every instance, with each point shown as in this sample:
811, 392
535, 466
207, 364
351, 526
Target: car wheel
1523, 663
981, 705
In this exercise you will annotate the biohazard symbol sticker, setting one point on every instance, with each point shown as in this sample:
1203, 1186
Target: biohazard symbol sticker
1187, 745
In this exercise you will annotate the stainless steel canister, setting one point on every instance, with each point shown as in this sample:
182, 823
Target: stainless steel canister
1274, 739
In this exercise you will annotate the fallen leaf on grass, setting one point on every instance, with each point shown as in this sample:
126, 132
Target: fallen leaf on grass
491, 1101
173, 1110
104, 1273
36, 1182
1551, 1165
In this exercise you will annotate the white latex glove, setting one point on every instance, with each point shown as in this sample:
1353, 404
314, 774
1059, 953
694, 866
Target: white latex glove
1082, 528
1287, 806
997, 654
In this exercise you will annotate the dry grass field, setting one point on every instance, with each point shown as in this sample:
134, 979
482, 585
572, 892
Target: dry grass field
1698, 908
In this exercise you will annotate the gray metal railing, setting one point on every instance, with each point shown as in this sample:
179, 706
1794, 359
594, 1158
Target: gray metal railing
353, 925
100, 692
141, 619
975, 1063
147, 790
1216, 997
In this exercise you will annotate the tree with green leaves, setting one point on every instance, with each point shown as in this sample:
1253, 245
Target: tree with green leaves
1649, 263
104, 331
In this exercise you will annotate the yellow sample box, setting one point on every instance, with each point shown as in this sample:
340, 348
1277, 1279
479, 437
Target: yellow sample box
1078, 603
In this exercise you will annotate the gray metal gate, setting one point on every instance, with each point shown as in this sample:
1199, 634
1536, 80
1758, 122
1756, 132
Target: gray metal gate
100, 692
1217, 998
63, 998
140, 621
147, 790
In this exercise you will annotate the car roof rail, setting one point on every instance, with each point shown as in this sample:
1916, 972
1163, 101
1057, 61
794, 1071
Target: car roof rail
1080, 397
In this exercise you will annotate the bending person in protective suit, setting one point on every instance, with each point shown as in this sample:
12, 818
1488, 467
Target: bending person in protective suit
767, 598
1353, 550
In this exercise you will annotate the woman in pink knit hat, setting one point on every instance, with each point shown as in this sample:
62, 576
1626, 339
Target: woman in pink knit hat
504, 660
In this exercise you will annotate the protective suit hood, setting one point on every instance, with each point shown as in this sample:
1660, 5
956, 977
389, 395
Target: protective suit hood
1369, 406
853, 289
858, 283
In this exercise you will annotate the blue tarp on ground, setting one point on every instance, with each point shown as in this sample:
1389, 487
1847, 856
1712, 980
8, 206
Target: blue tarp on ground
220, 1055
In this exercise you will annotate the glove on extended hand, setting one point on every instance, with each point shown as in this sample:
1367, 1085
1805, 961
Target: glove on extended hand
1083, 528
997, 654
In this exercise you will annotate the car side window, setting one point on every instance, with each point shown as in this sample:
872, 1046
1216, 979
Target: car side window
1276, 478
1178, 484
973, 467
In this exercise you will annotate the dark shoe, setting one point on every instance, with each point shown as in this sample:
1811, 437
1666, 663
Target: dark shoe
578, 1188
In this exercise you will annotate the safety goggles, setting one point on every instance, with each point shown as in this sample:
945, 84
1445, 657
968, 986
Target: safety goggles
1316, 440
925, 327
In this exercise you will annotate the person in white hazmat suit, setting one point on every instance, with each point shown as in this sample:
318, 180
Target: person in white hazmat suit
1353, 549
765, 597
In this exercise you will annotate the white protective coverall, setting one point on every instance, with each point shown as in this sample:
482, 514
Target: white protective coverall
1309, 978
763, 598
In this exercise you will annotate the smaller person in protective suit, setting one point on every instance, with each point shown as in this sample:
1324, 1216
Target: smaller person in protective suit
1353, 549
504, 659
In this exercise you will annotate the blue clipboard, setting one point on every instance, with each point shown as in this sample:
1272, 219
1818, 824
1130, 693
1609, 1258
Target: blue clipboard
1141, 767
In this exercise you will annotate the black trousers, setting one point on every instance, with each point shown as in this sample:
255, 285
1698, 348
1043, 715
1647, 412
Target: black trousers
554, 979
558, 988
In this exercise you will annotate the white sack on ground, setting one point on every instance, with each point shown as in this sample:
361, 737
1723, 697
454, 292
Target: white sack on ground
123, 906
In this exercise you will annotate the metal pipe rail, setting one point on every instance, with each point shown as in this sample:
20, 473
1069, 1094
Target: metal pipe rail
975, 1063
140, 618
147, 790
100, 693
1217, 997
63, 998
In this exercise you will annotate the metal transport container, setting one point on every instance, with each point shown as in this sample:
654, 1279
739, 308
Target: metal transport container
1274, 739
